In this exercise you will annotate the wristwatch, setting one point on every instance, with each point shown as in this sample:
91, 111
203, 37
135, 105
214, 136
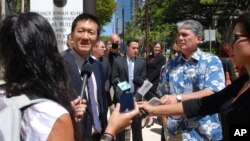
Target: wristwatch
178, 98
106, 137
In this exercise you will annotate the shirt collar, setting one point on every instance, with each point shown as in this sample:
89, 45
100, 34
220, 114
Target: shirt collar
130, 59
78, 59
195, 57
92, 56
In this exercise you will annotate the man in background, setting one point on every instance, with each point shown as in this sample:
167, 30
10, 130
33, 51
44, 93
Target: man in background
126, 68
97, 53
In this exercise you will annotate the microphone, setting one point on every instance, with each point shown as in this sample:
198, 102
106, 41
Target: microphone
124, 95
122, 88
145, 88
86, 72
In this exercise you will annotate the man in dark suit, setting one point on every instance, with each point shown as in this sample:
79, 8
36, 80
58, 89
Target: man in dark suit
125, 69
97, 53
84, 35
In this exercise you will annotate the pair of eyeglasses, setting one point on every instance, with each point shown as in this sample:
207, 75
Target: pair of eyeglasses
236, 37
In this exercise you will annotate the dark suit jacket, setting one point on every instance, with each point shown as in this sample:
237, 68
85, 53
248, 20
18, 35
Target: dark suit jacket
76, 84
106, 68
120, 69
154, 69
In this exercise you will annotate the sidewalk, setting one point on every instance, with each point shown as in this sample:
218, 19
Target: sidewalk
1, 82
152, 133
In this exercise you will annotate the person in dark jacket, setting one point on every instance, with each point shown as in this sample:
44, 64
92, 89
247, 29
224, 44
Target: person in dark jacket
227, 63
154, 64
85, 32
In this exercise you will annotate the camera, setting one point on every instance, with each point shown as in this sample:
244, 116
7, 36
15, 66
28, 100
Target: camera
115, 45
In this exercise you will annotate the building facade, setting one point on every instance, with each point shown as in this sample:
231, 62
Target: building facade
124, 13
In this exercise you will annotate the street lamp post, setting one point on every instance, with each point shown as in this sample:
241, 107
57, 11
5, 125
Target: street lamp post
122, 20
89, 6
147, 28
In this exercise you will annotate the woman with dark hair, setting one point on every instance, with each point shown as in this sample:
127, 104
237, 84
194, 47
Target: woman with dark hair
154, 63
33, 66
225, 53
232, 102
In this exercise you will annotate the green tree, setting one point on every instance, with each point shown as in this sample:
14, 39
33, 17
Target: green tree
214, 13
105, 10
105, 38
164, 14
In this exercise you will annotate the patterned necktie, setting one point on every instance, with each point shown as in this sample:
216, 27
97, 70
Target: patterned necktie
93, 104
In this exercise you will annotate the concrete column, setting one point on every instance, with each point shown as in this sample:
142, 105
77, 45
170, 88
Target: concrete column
89, 6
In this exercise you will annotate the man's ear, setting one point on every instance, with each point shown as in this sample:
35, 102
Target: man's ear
199, 37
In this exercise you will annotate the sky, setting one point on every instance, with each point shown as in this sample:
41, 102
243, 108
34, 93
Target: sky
107, 29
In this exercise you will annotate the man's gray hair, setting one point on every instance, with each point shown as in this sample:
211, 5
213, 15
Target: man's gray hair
195, 26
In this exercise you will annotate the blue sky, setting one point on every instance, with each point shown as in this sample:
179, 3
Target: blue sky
108, 29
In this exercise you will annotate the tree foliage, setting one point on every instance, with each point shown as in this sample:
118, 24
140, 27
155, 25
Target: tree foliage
104, 10
164, 14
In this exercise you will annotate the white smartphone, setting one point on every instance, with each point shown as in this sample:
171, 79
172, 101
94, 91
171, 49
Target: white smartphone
154, 101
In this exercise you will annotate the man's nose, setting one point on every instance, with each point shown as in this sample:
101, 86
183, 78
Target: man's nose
85, 35
180, 37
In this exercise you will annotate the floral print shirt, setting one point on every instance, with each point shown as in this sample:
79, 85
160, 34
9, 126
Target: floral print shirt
202, 71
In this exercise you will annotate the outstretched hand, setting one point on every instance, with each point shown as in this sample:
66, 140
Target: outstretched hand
119, 121
146, 106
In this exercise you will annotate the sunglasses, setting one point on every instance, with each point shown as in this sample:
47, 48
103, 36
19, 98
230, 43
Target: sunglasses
236, 37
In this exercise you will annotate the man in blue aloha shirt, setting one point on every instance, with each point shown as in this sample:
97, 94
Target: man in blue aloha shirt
193, 74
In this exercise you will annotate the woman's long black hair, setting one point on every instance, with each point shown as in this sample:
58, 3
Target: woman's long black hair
30, 58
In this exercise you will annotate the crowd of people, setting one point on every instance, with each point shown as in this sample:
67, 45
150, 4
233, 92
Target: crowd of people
201, 95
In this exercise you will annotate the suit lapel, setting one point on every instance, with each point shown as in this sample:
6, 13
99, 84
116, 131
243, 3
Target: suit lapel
136, 64
75, 75
98, 72
125, 66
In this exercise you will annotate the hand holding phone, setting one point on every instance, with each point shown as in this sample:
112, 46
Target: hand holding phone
126, 102
153, 101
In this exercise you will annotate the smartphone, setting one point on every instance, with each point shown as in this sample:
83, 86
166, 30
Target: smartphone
126, 102
154, 101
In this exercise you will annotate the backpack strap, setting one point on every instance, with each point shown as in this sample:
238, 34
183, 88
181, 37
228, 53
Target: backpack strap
22, 101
